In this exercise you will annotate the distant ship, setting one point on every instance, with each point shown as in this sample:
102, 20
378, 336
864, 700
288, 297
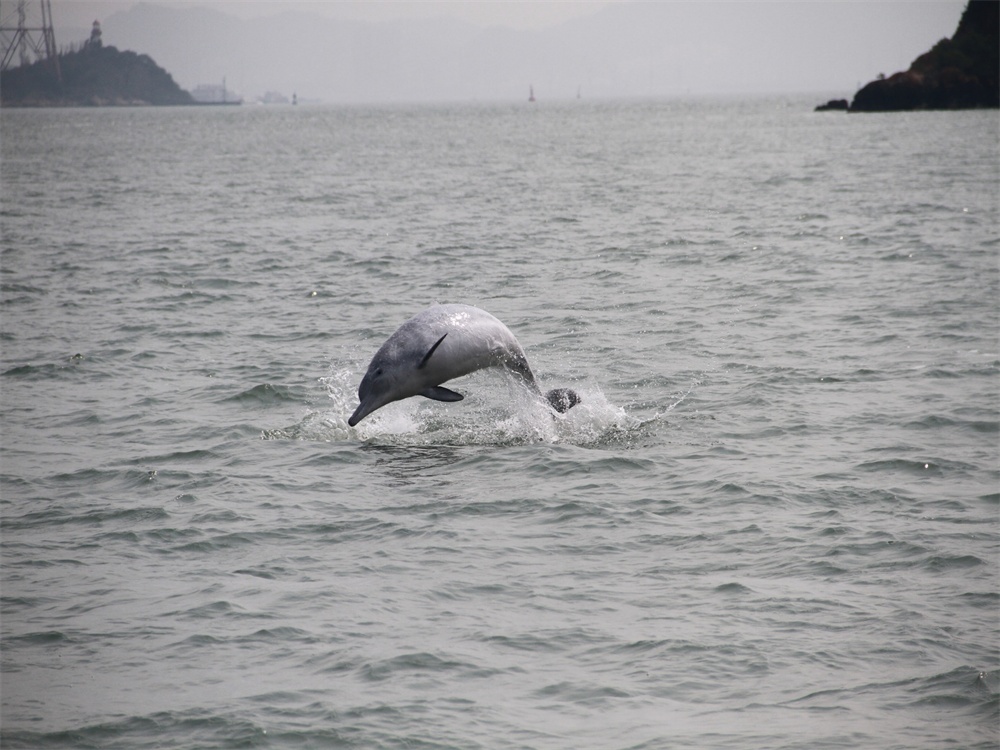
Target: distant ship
211, 93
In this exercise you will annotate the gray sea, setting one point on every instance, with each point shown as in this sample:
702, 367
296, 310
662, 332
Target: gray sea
773, 522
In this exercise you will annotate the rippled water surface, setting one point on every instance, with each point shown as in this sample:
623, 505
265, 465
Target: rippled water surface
772, 522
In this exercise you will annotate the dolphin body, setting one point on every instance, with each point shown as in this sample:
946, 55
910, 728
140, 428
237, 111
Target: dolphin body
439, 344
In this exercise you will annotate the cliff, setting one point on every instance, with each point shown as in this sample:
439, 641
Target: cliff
92, 76
958, 73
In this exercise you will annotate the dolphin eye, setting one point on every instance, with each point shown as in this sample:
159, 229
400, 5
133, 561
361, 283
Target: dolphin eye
378, 371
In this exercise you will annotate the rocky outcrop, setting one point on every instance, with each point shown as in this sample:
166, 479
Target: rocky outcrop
958, 73
92, 76
834, 105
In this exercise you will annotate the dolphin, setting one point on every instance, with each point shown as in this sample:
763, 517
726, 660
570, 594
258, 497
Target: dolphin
442, 343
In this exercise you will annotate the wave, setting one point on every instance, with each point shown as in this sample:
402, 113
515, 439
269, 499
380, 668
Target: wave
96, 517
43, 371
965, 689
148, 732
268, 394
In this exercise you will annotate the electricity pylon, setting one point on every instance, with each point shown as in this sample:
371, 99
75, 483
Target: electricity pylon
26, 35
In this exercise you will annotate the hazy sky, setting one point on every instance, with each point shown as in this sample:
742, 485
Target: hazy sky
342, 51
519, 14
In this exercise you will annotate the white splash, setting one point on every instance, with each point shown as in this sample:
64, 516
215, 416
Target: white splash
496, 411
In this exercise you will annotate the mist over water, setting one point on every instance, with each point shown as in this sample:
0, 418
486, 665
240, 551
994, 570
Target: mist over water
772, 521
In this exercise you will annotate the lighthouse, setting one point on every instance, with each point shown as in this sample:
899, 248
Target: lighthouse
95, 36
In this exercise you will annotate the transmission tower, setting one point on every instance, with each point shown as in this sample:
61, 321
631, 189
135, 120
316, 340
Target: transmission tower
26, 35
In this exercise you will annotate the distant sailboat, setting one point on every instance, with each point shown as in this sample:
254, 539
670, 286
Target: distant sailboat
531, 93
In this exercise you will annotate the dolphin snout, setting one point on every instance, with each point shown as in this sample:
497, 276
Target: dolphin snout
366, 407
368, 395
359, 414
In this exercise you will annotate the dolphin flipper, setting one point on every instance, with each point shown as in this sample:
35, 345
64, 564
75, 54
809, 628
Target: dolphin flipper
440, 393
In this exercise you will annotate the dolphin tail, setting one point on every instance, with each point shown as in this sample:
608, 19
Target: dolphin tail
562, 399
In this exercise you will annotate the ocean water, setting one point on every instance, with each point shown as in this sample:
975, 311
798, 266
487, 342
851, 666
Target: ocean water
772, 522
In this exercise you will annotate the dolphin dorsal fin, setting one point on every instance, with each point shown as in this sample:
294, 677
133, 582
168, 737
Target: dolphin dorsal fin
430, 352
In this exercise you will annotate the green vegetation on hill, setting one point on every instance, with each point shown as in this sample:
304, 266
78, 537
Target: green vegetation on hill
92, 76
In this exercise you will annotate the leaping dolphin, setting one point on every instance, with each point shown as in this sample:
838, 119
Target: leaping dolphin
439, 344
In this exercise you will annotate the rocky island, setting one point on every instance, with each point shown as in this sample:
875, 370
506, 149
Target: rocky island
94, 75
957, 73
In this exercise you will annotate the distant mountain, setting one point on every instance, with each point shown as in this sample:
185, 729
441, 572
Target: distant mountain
94, 75
958, 73
624, 49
